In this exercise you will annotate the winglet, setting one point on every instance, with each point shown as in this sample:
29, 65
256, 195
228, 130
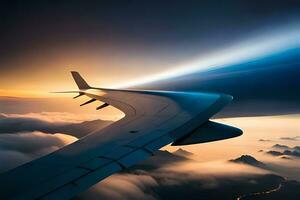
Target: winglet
81, 83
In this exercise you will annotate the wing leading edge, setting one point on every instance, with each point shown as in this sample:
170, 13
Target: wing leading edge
152, 120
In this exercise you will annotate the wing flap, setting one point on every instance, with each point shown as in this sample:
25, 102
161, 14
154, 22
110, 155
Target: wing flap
72, 188
95, 163
115, 154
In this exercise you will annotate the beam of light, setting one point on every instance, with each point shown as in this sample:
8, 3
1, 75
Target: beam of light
251, 49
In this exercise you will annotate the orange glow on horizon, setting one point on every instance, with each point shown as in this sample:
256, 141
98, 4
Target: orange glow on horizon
23, 93
269, 128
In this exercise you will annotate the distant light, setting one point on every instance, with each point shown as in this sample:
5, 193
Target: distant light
255, 48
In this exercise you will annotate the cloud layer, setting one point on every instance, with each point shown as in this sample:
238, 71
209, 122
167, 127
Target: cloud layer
53, 122
284, 150
19, 148
174, 178
164, 176
296, 138
29, 136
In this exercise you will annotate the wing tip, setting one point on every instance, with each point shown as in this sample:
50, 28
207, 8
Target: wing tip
80, 82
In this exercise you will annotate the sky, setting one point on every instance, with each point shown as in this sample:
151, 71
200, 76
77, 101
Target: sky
117, 43
249, 49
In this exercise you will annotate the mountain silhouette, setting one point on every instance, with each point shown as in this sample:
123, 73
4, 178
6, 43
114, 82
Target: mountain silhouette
183, 153
249, 160
159, 159
280, 146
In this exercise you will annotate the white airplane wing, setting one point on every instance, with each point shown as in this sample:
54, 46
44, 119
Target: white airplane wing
152, 120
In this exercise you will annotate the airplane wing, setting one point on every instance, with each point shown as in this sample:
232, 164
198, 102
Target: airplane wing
152, 120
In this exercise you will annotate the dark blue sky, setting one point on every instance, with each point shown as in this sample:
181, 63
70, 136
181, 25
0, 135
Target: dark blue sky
169, 27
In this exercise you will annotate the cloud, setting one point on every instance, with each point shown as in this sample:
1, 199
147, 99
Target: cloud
123, 187
172, 179
280, 146
17, 149
63, 117
175, 181
275, 153
296, 138
285, 150
264, 140
29, 142
291, 153
10, 159
24, 137
49, 123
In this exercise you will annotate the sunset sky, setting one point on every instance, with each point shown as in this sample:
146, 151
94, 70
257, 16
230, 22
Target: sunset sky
115, 44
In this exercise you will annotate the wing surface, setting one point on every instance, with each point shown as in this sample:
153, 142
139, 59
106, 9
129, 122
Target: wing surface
152, 120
